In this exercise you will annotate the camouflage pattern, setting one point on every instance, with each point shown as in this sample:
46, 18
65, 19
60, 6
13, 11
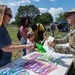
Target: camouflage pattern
64, 50
70, 37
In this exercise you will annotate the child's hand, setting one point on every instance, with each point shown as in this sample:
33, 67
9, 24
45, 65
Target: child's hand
36, 49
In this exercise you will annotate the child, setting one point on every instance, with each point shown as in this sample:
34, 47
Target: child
30, 40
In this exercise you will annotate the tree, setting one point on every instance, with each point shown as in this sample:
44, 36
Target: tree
61, 17
44, 18
30, 11
13, 23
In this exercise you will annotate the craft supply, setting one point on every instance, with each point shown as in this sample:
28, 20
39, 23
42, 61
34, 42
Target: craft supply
40, 47
22, 72
4, 71
34, 56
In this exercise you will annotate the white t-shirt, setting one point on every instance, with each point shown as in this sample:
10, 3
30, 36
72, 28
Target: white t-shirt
29, 42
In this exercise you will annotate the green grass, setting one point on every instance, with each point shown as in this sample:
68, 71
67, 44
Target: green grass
13, 34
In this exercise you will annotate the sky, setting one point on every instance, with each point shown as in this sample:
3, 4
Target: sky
54, 7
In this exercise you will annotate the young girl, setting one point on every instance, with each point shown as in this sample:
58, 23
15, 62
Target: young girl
30, 40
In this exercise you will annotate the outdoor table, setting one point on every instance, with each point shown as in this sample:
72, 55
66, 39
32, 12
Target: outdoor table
63, 66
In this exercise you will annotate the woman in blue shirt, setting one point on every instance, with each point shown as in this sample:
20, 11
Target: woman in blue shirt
6, 47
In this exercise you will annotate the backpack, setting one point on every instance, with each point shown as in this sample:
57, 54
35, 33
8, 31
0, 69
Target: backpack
53, 27
19, 36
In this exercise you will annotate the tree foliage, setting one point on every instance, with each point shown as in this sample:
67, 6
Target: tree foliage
30, 10
61, 17
44, 18
34, 15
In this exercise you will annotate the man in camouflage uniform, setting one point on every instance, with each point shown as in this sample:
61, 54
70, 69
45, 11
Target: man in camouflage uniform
70, 37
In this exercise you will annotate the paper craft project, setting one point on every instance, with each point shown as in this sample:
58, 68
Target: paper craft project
14, 71
44, 57
43, 64
49, 59
40, 63
34, 56
45, 46
4, 71
40, 67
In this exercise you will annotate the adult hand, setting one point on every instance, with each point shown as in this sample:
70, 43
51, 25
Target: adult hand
29, 46
36, 49
50, 43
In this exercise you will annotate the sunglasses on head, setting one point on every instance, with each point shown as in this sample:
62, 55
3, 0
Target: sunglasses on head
9, 15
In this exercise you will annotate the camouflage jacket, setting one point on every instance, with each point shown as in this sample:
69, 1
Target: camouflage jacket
70, 37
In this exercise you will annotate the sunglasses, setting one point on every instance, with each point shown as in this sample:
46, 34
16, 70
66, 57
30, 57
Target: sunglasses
9, 15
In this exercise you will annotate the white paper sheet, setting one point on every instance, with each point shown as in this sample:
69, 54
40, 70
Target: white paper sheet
45, 46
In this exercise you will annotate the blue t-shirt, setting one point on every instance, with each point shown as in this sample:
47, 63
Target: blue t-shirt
4, 41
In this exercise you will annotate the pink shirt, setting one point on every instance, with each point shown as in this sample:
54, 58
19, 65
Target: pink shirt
24, 30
